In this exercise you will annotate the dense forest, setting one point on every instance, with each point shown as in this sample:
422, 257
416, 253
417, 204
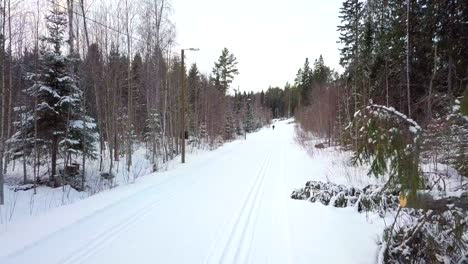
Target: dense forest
82, 83
96, 82
401, 105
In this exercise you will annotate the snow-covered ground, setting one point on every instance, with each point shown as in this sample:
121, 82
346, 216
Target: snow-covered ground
230, 205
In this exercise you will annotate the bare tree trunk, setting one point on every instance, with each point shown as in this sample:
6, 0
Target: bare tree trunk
70, 26
85, 27
25, 176
130, 92
36, 152
96, 94
408, 92
10, 86
449, 77
164, 117
431, 84
83, 174
54, 151
386, 82
2, 103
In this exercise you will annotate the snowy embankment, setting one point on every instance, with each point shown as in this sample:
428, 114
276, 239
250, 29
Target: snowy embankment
230, 205
21, 202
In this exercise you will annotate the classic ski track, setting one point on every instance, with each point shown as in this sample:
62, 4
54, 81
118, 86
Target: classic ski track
282, 203
215, 247
118, 202
94, 214
255, 208
242, 221
99, 242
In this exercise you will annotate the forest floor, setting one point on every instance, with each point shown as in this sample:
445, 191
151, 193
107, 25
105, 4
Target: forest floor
230, 205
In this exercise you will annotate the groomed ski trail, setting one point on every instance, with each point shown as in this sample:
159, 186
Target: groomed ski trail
230, 205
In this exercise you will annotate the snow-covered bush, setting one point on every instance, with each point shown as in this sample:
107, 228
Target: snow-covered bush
437, 235
428, 237
370, 198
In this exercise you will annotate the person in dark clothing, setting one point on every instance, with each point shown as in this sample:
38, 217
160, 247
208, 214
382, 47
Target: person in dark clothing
273, 127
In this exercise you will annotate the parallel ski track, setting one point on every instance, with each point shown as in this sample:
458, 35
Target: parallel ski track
238, 245
99, 242
101, 239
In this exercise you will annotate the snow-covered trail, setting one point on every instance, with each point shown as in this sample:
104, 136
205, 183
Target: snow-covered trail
230, 205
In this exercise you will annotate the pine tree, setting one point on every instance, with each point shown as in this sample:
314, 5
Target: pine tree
224, 70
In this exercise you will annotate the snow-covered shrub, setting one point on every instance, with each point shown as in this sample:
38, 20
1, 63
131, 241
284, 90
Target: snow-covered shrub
428, 237
437, 235
370, 198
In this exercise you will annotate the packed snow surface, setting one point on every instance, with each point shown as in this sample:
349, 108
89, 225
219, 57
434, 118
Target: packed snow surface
231, 205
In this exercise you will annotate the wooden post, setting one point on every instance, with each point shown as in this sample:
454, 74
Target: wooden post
182, 101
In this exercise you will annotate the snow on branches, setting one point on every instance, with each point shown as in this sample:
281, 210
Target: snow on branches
370, 198
427, 237
390, 142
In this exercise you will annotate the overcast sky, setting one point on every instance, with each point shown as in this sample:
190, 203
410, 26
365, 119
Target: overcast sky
270, 38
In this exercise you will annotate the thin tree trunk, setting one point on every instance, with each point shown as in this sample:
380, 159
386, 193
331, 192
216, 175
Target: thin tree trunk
130, 93
386, 82
2, 102
83, 174
449, 77
54, 151
70, 26
25, 176
10, 86
36, 152
431, 84
408, 92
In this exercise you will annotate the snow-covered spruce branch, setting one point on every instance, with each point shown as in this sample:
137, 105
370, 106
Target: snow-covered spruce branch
369, 198
390, 142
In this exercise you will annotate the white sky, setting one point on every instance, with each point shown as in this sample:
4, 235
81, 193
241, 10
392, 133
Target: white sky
270, 38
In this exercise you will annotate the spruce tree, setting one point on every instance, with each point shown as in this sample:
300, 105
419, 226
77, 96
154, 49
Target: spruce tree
250, 124
350, 14
305, 83
193, 86
59, 115
321, 73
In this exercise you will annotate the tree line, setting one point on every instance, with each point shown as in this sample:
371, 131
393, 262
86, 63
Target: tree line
97, 80
411, 56
401, 106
